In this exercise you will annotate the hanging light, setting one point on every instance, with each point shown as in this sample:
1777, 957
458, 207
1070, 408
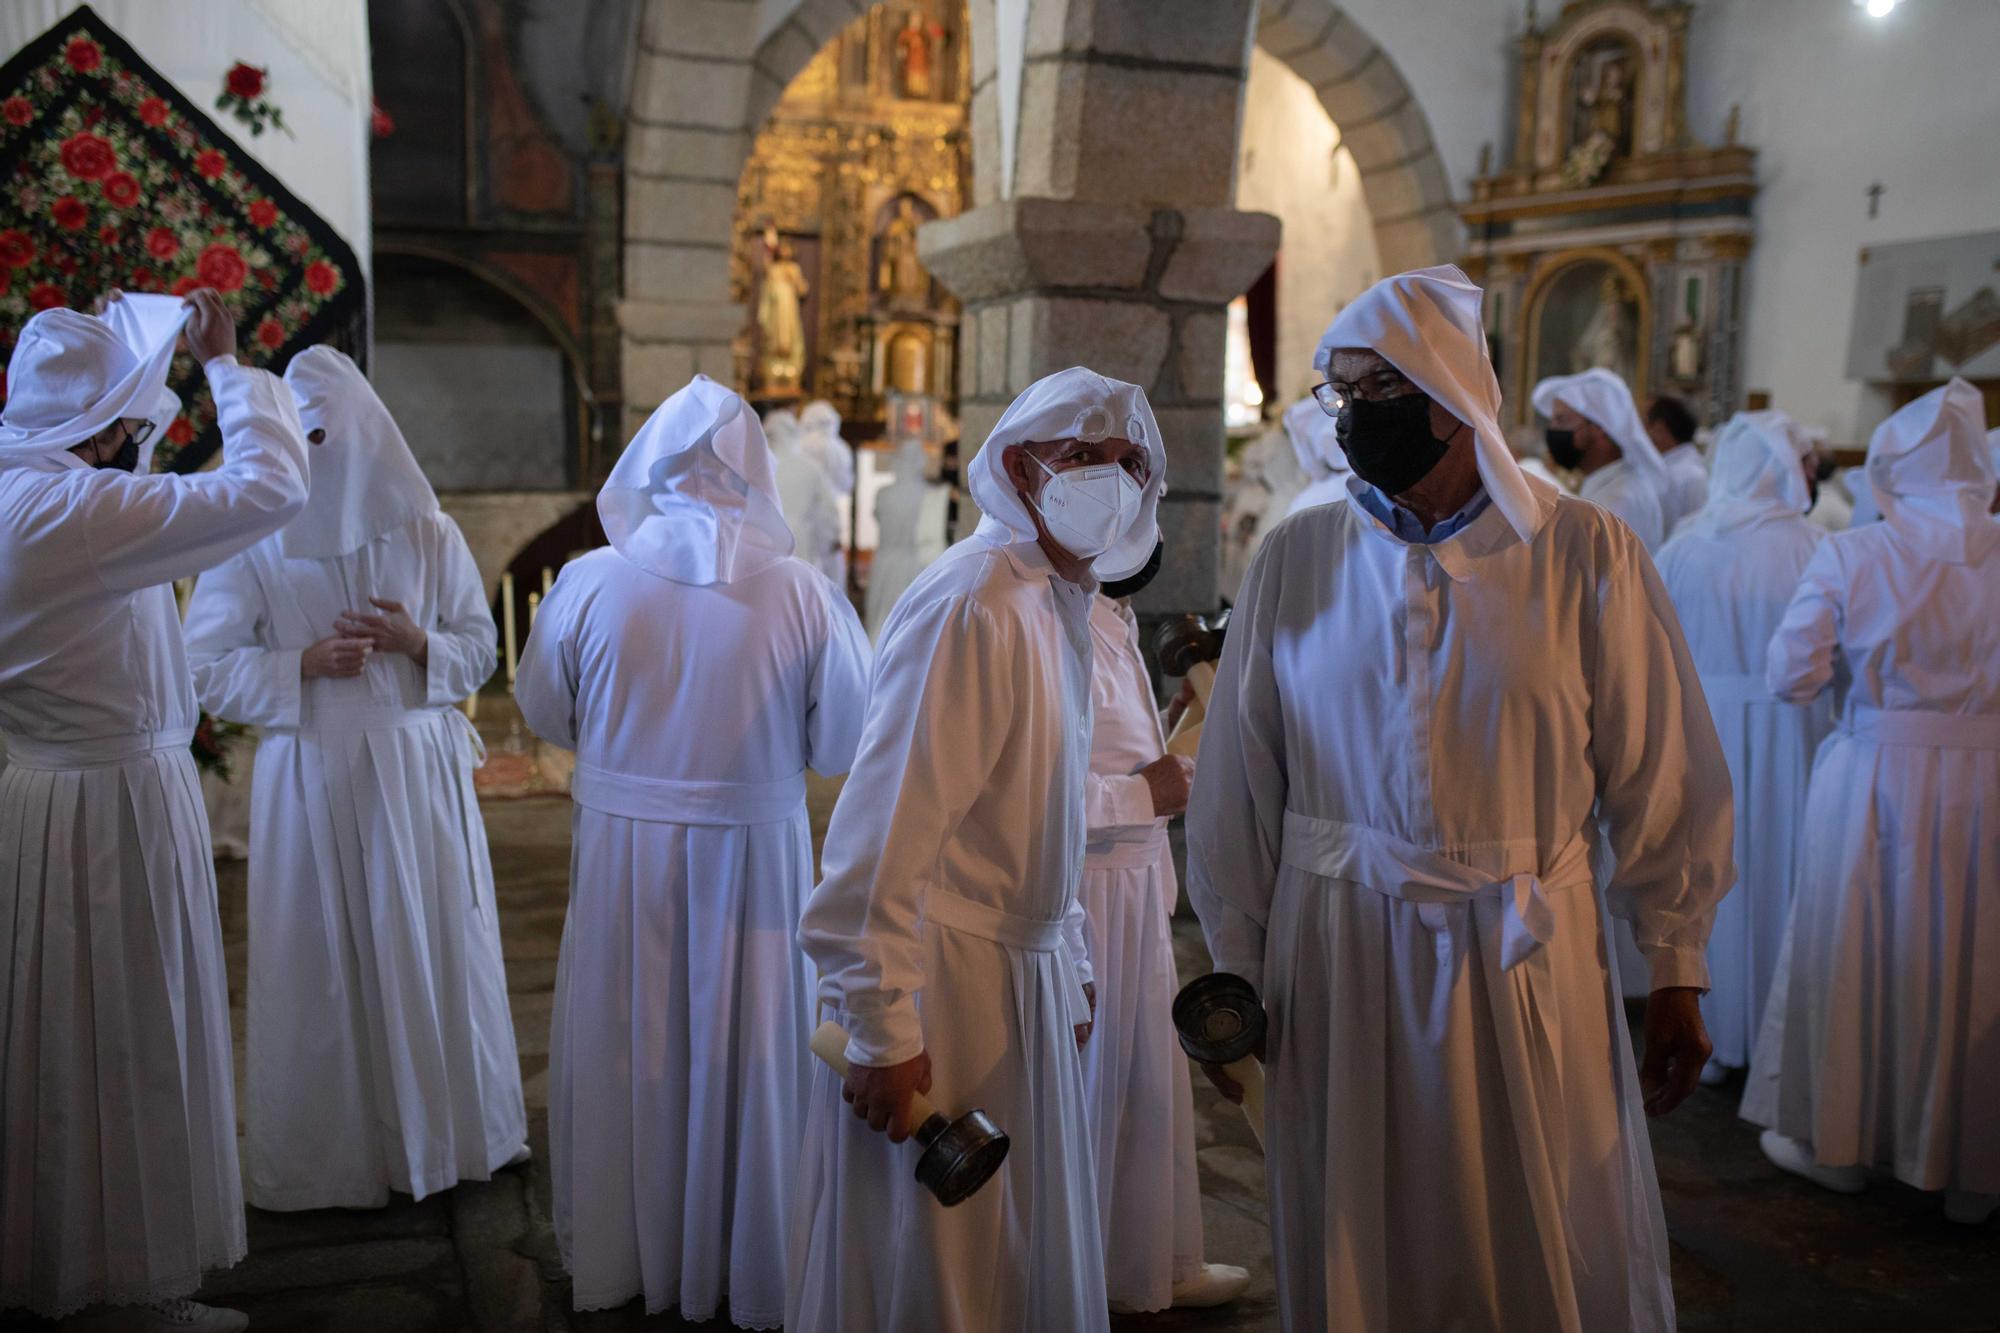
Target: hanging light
1877, 9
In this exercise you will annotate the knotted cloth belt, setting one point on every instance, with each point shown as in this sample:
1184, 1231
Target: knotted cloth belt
670, 801
990, 923
1930, 731
1125, 853
1414, 874
96, 752
318, 720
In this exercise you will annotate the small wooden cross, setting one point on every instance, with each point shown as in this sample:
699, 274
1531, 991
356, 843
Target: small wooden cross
1874, 193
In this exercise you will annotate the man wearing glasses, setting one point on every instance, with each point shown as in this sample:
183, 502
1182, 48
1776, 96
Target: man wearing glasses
1452, 707
118, 1168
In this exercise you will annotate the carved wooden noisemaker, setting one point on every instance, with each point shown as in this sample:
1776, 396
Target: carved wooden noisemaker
1221, 1022
1190, 646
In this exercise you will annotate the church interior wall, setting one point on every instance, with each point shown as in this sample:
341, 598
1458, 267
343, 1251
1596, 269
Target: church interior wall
1292, 163
1834, 100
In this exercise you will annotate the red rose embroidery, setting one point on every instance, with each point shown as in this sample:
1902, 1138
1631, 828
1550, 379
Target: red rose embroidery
88, 157
210, 164
18, 110
142, 278
246, 81
69, 213
263, 213
322, 278
267, 279
184, 285
45, 296
272, 334
83, 55
107, 235
153, 111
162, 244
17, 250
180, 432
121, 190
222, 268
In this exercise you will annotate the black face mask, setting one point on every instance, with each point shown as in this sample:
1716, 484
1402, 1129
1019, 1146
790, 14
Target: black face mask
1563, 450
127, 457
1130, 584
1389, 443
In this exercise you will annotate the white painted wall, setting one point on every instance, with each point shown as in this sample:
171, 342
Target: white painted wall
1833, 100
1289, 162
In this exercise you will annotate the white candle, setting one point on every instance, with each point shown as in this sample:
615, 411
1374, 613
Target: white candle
548, 581
534, 605
507, 621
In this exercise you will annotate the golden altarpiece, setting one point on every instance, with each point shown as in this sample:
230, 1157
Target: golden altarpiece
1613, 238
867, 144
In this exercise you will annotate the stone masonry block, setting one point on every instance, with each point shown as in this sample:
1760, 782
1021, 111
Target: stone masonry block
676, 273
680, 321
786, 52
692, 92
992, 358
1126, 340
1367, 93
652, 371
1202, 334
1189, 577
1194, 440
1221, 252
670, 210
986, 164
701, 27
1336, 55
709, 155
1397, 137
1135, 137
1202, 32
1028, 243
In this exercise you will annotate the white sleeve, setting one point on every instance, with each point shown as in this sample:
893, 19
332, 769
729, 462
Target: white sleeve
1800, 660
1236, 812
237, 675
145, 531
462, 642
839, 702
545, 678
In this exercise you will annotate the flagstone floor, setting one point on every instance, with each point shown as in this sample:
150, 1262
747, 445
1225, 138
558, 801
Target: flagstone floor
1752, 1250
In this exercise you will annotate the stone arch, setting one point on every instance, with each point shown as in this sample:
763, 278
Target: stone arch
1381, 124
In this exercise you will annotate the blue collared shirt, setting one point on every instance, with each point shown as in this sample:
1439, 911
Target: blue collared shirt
1406, 525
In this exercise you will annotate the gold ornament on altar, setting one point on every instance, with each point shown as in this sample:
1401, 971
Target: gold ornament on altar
916, 54
780, 318
901, 276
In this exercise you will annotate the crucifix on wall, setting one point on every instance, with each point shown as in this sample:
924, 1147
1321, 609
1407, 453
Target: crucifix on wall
1874, 193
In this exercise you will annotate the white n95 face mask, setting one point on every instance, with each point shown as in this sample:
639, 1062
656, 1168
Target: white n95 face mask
1088, 509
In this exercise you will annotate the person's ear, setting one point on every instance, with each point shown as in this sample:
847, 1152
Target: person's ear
1444, 424
1020, 468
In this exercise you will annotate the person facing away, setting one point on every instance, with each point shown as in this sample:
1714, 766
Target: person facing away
1135, 1076
820, 440
1594, 429
946, 931
1731, 571
119, 1182
381, 1049
910, 517
805, 496
1671, 428
1875, 1048
1321, 459
697, 668
1434, 704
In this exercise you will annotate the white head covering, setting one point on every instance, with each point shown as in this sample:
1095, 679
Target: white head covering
781, 427
1073, 404
1755, 475
72, 375
820, 418
693, 498
1426, 324
364, 480
1600, 396
1314, 441
1932, 474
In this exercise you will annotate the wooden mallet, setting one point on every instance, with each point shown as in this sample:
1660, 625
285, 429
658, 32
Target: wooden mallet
1190, 646
1220, 1022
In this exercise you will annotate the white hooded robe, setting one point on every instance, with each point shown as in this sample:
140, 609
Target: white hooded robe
1731, 571
697, 670
1877, 1044
1636, 486
947, 922
1390, 837
1321, 459
118, 1170
381, 1048
910, 516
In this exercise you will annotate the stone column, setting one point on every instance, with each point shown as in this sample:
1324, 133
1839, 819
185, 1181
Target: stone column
1105, 237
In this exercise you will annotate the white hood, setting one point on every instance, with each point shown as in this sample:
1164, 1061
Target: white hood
1314, 442
1426, 323
1755, 475
71, 375
1931, 471
365, 482
1600, 396
693, 498
1073, 404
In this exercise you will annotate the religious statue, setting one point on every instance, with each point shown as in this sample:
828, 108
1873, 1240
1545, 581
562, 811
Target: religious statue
900, 276
1684, 353
916, 55
1606, 341
1604, 102
780, 321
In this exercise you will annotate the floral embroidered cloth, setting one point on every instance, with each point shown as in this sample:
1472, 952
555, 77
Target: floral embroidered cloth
109, 177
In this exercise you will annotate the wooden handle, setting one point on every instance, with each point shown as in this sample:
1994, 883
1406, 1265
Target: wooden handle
1202, 677
1186, 739
830, 1045
1249, 1076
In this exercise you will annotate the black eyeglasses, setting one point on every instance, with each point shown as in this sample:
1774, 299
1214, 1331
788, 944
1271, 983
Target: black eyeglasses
1375, 388
141, 432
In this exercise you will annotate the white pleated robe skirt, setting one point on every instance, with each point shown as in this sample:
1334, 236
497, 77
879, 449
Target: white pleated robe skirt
118, 1172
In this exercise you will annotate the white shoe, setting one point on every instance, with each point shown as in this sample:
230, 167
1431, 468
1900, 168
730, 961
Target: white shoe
1788, 1154
521, 1158
1211, 1285
1969, 1209
179, 1315
1714, 1074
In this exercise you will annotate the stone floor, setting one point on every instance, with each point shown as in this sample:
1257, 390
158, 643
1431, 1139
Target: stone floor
1753, 1250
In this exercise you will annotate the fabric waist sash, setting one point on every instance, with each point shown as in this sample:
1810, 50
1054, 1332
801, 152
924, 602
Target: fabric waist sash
97, 752
668, 801
990, 923
1126, 854
385, 717
1719, 689
1414, 874
1930, 731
